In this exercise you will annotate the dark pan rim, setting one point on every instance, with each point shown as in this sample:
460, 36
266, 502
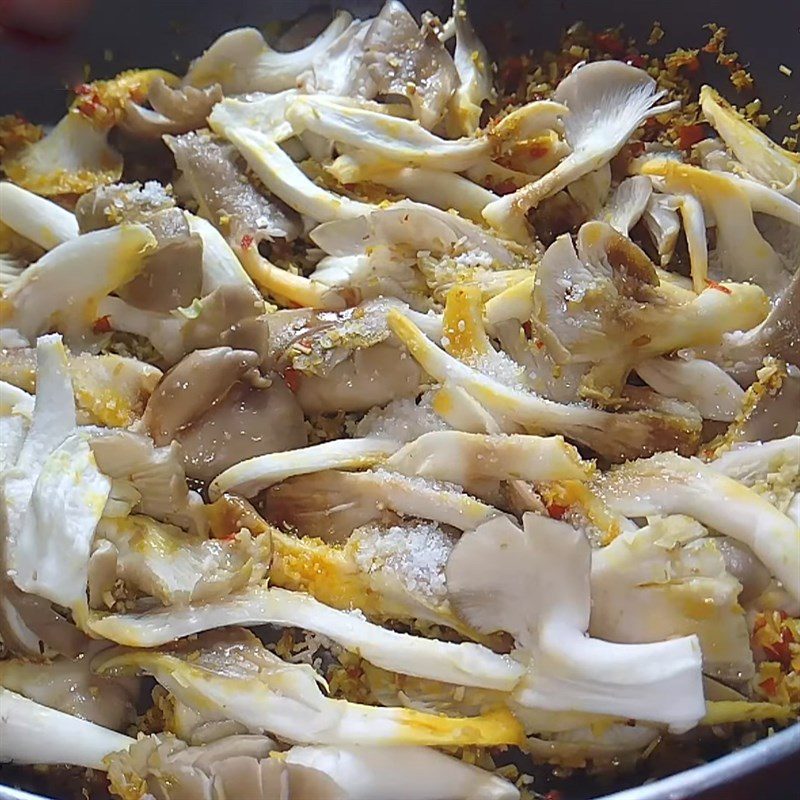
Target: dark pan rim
681, 786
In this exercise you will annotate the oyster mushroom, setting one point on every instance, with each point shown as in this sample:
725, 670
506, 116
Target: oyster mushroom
567, 670
221, 412
63, 288
224, 194
173, 273
110, 390
31, 733
172, 110
670, 484
464, 664
166, 768
74, 157
231, 675
762, 159
241, 61
407, 61
593, 131
643, 582
608, 298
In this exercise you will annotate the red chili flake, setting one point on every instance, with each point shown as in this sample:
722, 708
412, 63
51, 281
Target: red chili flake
247, 241
689, 135
780, 651
718, 286
557, 511
539, 344
537, 149
528, 328
769, 686
291, 377
102, 325
610, 42
636, 60
88, 108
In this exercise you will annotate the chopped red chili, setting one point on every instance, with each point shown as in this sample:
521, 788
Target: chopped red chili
102, 325
689, 135
247, 241
291, 377
718, 286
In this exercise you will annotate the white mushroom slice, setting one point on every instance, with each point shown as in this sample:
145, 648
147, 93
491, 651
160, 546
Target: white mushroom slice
263, 113
670, 484
607, 101
461, 411
465, 664
662, 223
256, 474
694, 227
612, 434
627, 204
74, 157
397, 140
50, 556
762, 159
537, 589
31, 733
63, 288
287, 181
43, 222
465, 458
241, 61
232, 676
702, 383
436, 187
364, 773
220, 265
474, 68
754, 462
743, 251
666, 580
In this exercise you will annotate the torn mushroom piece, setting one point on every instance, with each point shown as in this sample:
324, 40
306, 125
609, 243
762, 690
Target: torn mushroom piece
615, 436
741, 251
172, 110
231, 675
537, 588
608, 298
594, 133
164, 562
63, 288
172, 275
408, 61
230, 315
670, 484
645, 580
110, 390
241, 61
332, 504
221, 410
167, 768
225, 195
346, 361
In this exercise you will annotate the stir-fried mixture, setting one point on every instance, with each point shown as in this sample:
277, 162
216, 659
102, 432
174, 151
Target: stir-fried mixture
365, 434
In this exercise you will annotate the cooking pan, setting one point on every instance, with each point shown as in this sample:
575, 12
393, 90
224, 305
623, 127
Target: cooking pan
112, 36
